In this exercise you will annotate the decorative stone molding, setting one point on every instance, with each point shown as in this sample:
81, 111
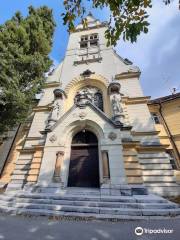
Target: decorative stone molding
57, 170
51, 84
75, 81
135, 100
114, 87
112, 136
99, 59
89, 94
82, 115
87, 73
59, 93
53, 138
126, 75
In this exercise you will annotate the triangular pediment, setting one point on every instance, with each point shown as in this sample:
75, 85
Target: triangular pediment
86, 112
87, 117
91, 22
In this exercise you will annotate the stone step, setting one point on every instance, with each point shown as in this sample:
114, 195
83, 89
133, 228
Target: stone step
84, 216
95, 203
55, 189
61, 192
132, 199
95, 210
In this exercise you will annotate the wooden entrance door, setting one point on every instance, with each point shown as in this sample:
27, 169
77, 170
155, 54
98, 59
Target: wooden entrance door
84, 164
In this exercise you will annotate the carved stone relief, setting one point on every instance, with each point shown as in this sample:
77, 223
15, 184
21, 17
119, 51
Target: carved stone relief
82, 115
89, 94
57, 108
112, 136
53, 138
116, 106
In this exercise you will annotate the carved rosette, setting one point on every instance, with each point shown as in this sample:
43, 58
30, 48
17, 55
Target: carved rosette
112, 136
53, 138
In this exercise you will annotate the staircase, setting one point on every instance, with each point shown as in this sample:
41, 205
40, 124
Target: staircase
87, 204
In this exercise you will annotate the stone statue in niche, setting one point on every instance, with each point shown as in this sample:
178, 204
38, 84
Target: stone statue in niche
116, 106
56, 108
116, 101
55, 114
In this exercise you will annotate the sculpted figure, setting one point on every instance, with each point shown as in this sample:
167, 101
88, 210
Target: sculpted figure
83, 96
56, 110
55, 114
116, 106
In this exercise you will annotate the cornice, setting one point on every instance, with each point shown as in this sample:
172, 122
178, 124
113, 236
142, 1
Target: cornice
31, 150
135, 100
160, 147
126, 75
27, 150
102, 25
51, 84
130, 144
134, 133
34, 138
42, 108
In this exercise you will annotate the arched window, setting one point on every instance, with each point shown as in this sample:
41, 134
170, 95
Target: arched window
98, 100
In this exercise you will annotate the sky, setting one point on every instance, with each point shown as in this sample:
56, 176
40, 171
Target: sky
157, 53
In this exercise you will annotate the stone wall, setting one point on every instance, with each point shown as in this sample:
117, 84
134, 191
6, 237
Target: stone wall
132, 166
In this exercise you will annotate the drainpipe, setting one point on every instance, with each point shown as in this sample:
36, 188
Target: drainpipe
169, 133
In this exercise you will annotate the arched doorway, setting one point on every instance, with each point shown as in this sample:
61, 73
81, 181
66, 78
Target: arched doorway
84, 161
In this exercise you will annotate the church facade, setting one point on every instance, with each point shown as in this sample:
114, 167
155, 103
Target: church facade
92, 127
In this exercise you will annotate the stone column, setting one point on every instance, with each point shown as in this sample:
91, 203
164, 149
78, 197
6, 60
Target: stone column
105, 163
57, 170
116, 165
47, 166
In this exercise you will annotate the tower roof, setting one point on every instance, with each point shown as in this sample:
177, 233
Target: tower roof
92, 22
90, 18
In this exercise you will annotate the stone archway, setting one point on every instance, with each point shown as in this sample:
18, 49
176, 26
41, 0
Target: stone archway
84, 160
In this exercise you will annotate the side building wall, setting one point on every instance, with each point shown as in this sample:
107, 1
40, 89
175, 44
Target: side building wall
170, 111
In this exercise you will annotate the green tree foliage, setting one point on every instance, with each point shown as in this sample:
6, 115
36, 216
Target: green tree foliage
25, 44
128, 17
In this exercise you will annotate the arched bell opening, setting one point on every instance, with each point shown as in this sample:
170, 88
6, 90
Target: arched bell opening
84, 160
